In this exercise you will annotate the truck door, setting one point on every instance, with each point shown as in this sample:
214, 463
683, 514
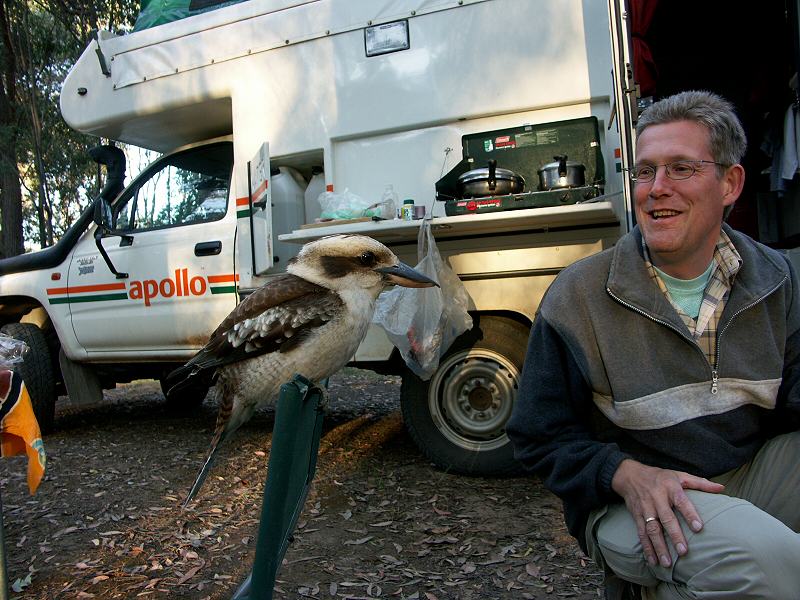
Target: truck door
178, 253
625, 91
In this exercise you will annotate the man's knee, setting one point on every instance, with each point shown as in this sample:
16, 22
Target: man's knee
742, 552
617, 542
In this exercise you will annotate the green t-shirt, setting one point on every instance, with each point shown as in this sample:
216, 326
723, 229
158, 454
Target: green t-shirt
687, 293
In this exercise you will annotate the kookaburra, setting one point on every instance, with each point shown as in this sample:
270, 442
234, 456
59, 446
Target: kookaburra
308, 321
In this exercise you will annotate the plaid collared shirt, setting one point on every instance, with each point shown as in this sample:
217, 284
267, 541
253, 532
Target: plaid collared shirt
704, 330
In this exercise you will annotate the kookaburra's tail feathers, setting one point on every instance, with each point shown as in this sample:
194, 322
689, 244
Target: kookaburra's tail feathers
219, 437
223, 430
201, 476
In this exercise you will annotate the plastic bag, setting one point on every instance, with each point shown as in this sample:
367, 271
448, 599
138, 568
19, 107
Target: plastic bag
346, 205
424, 322
12, 351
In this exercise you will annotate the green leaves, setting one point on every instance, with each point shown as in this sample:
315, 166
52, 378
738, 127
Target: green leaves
56, 176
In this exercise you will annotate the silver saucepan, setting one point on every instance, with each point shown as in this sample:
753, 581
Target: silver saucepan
489, 181
562, 174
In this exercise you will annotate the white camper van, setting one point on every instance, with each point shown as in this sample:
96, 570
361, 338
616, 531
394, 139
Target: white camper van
258, 105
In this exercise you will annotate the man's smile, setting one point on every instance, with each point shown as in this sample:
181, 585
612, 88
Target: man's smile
664, 213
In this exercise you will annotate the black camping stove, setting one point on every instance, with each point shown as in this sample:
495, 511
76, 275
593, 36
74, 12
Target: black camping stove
486, 204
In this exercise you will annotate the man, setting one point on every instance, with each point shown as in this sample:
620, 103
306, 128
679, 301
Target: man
660, 397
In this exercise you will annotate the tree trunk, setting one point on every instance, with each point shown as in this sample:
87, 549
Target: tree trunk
25, 57
12, 242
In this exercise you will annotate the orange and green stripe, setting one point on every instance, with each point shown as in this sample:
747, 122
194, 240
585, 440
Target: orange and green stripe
242, 207
243, 204
223, 284
87, 293
260, 192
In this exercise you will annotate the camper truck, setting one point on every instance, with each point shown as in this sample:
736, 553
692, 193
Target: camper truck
258, 105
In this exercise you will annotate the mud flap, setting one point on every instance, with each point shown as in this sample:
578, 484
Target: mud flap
292, 463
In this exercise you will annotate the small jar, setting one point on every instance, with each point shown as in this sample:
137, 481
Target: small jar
407, 212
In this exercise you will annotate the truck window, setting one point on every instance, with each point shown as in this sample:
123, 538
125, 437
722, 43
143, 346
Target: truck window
182, 189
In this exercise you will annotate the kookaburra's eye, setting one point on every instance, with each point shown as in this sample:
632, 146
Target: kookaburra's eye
367, 259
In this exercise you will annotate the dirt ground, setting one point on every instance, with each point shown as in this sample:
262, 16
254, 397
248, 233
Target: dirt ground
380, 521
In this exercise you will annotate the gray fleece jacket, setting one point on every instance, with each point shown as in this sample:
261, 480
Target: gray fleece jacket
612, 372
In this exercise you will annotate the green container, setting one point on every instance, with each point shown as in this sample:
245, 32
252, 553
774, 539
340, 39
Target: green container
159, 12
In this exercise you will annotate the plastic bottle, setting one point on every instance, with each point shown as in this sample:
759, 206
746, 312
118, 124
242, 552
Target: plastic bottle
408, 209
288, 214
315, 187
390, 196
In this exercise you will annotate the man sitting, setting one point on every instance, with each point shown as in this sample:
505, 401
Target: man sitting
659, 397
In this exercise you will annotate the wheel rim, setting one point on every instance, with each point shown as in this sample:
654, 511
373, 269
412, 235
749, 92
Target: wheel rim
471, 396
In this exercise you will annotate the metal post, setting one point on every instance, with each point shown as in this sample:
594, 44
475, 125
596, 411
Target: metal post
292, 462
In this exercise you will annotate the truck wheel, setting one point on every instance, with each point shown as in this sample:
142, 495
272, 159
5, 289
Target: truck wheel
36, 372
458, 417
188, 399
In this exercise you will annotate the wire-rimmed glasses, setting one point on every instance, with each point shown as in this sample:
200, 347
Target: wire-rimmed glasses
678, 170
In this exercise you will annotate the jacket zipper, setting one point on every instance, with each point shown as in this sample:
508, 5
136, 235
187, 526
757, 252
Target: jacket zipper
715, 370
715, 366
655, 320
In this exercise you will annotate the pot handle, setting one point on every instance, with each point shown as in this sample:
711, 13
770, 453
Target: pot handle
562, 165
492, 174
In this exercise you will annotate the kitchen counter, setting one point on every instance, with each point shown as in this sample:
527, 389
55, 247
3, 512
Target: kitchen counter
601, 211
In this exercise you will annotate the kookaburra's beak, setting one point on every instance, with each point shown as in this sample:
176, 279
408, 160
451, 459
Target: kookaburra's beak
402, 274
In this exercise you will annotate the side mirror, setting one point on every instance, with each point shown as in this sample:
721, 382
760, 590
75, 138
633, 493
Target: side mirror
104, 218
103, 215
114, 160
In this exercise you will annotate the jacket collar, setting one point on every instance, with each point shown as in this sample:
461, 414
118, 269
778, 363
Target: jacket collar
629, 282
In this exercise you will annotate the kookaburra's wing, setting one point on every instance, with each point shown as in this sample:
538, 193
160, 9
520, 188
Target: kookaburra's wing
274, 318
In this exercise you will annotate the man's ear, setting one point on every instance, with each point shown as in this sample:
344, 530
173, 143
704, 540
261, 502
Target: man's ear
732, 182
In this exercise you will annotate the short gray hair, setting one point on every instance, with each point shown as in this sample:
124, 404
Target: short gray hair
725, 133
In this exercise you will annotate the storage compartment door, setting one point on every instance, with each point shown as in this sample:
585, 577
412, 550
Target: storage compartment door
625, 92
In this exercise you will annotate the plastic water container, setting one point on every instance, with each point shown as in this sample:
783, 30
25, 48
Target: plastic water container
315, 187
288, 213
390, 196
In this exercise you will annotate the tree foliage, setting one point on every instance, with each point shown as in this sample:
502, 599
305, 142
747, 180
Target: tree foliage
46, 175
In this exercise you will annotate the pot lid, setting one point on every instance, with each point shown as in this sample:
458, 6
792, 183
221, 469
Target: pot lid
483, 174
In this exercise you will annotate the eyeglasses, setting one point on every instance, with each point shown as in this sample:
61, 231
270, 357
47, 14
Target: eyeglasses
678, 170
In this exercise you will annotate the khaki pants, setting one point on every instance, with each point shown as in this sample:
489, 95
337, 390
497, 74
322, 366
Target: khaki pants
749, 546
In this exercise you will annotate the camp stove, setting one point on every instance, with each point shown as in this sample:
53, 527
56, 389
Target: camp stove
525, 150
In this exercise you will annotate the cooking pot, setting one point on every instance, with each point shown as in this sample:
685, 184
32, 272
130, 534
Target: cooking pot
489, 181
562, 174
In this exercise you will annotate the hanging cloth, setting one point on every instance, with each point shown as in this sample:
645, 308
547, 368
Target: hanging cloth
791, 143
644, 65
19, 431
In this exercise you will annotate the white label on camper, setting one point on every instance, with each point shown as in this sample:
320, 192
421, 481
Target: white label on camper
388, 37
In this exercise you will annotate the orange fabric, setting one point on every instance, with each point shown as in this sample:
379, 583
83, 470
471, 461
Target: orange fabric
19, 431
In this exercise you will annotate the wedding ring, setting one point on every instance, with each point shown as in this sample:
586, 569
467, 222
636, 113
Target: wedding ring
648, 519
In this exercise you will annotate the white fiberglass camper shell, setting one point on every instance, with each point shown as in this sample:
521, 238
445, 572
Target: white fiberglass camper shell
249, 101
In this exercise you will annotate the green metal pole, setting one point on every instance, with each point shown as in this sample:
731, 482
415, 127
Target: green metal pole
292, 462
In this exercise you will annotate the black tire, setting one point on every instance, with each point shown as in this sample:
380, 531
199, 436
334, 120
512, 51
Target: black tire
186, 400
458, 417
36, 372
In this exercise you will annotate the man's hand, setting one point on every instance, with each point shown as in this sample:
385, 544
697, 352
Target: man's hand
652, 495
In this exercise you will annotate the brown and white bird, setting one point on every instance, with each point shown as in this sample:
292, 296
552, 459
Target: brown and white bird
308, 321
